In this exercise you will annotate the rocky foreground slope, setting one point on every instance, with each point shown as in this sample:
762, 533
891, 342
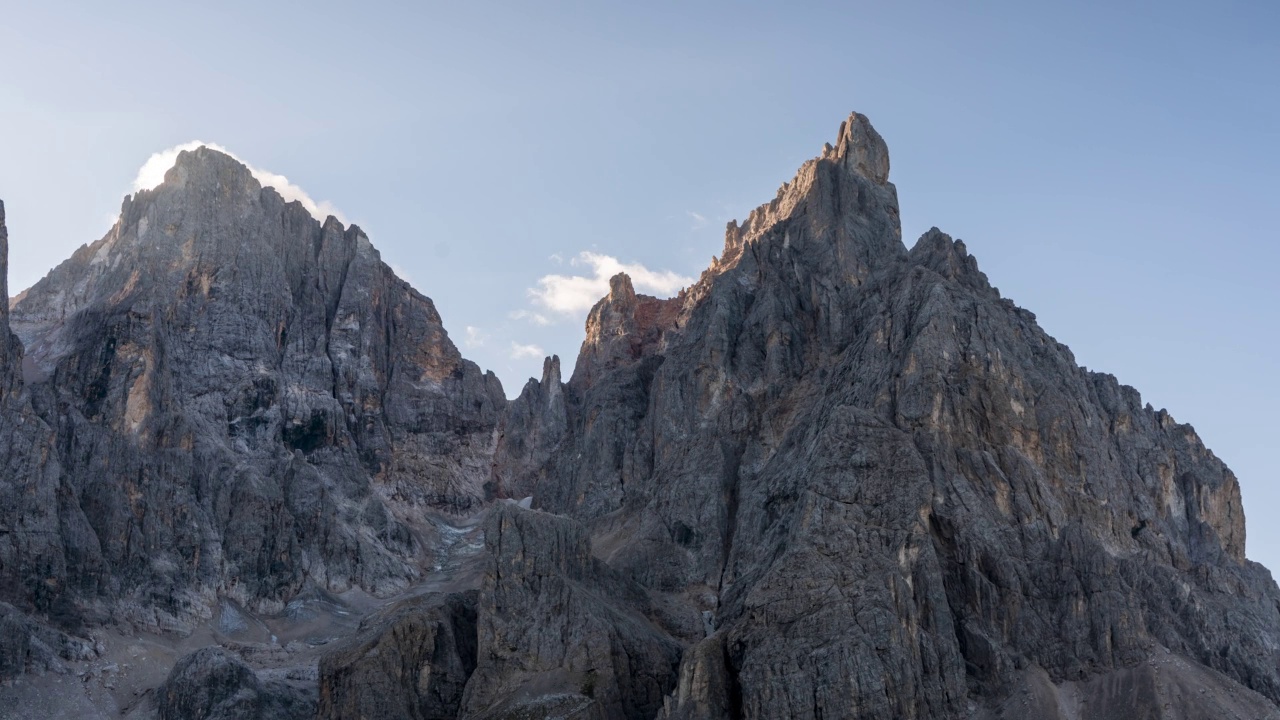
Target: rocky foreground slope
835, 478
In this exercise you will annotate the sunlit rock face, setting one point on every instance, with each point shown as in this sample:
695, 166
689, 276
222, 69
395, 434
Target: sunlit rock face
247, 402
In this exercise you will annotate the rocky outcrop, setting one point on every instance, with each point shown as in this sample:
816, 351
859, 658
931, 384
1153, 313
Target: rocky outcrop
412, 664
895, 494
529, 434
550, 632
625, 333
1164, 687
560, 634
27, 645
706, 689
213, 684
246, 401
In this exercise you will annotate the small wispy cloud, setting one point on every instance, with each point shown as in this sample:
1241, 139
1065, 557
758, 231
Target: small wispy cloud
475, 337
153, 171
536, 318
526, 351
699, 220
572, 295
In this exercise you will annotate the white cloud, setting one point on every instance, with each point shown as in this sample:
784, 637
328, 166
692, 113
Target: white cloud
699, 220
572, 295
526, 351
152, 173
475, 337
536, 318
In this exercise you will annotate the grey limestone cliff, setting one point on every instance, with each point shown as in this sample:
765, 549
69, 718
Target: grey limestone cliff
896, 495
409, 663
41, 529
559, 630
246, 402
213, 684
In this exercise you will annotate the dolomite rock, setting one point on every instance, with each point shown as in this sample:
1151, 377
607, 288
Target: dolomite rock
835, 478
560, 632
213, 684
529, 433
412, 665
42, 532
27, 645
246, 401
898, 497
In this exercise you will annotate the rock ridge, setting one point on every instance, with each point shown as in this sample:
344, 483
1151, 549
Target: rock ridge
890, 491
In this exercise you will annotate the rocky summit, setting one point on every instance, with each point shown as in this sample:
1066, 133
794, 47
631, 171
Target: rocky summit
248, 476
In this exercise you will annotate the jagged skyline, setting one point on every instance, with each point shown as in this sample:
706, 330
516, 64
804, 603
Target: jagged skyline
830, 446
1111, 176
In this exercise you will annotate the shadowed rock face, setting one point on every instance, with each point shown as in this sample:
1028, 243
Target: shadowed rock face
556, 623
412, 664
213, 684
246, 401
42, 530
529, 433
30, 646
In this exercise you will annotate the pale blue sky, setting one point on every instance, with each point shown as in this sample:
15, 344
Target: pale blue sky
1114, 170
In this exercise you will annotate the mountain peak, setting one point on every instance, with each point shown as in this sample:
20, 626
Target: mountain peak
207, 160
211, 164
861, 149
620, 288
840, 210
206, 169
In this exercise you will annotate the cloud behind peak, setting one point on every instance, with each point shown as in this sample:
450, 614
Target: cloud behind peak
573, 295
152, 173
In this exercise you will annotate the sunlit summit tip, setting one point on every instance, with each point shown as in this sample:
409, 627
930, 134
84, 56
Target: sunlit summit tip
152, 173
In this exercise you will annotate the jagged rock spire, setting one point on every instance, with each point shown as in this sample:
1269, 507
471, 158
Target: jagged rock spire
841, 202
861, 149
